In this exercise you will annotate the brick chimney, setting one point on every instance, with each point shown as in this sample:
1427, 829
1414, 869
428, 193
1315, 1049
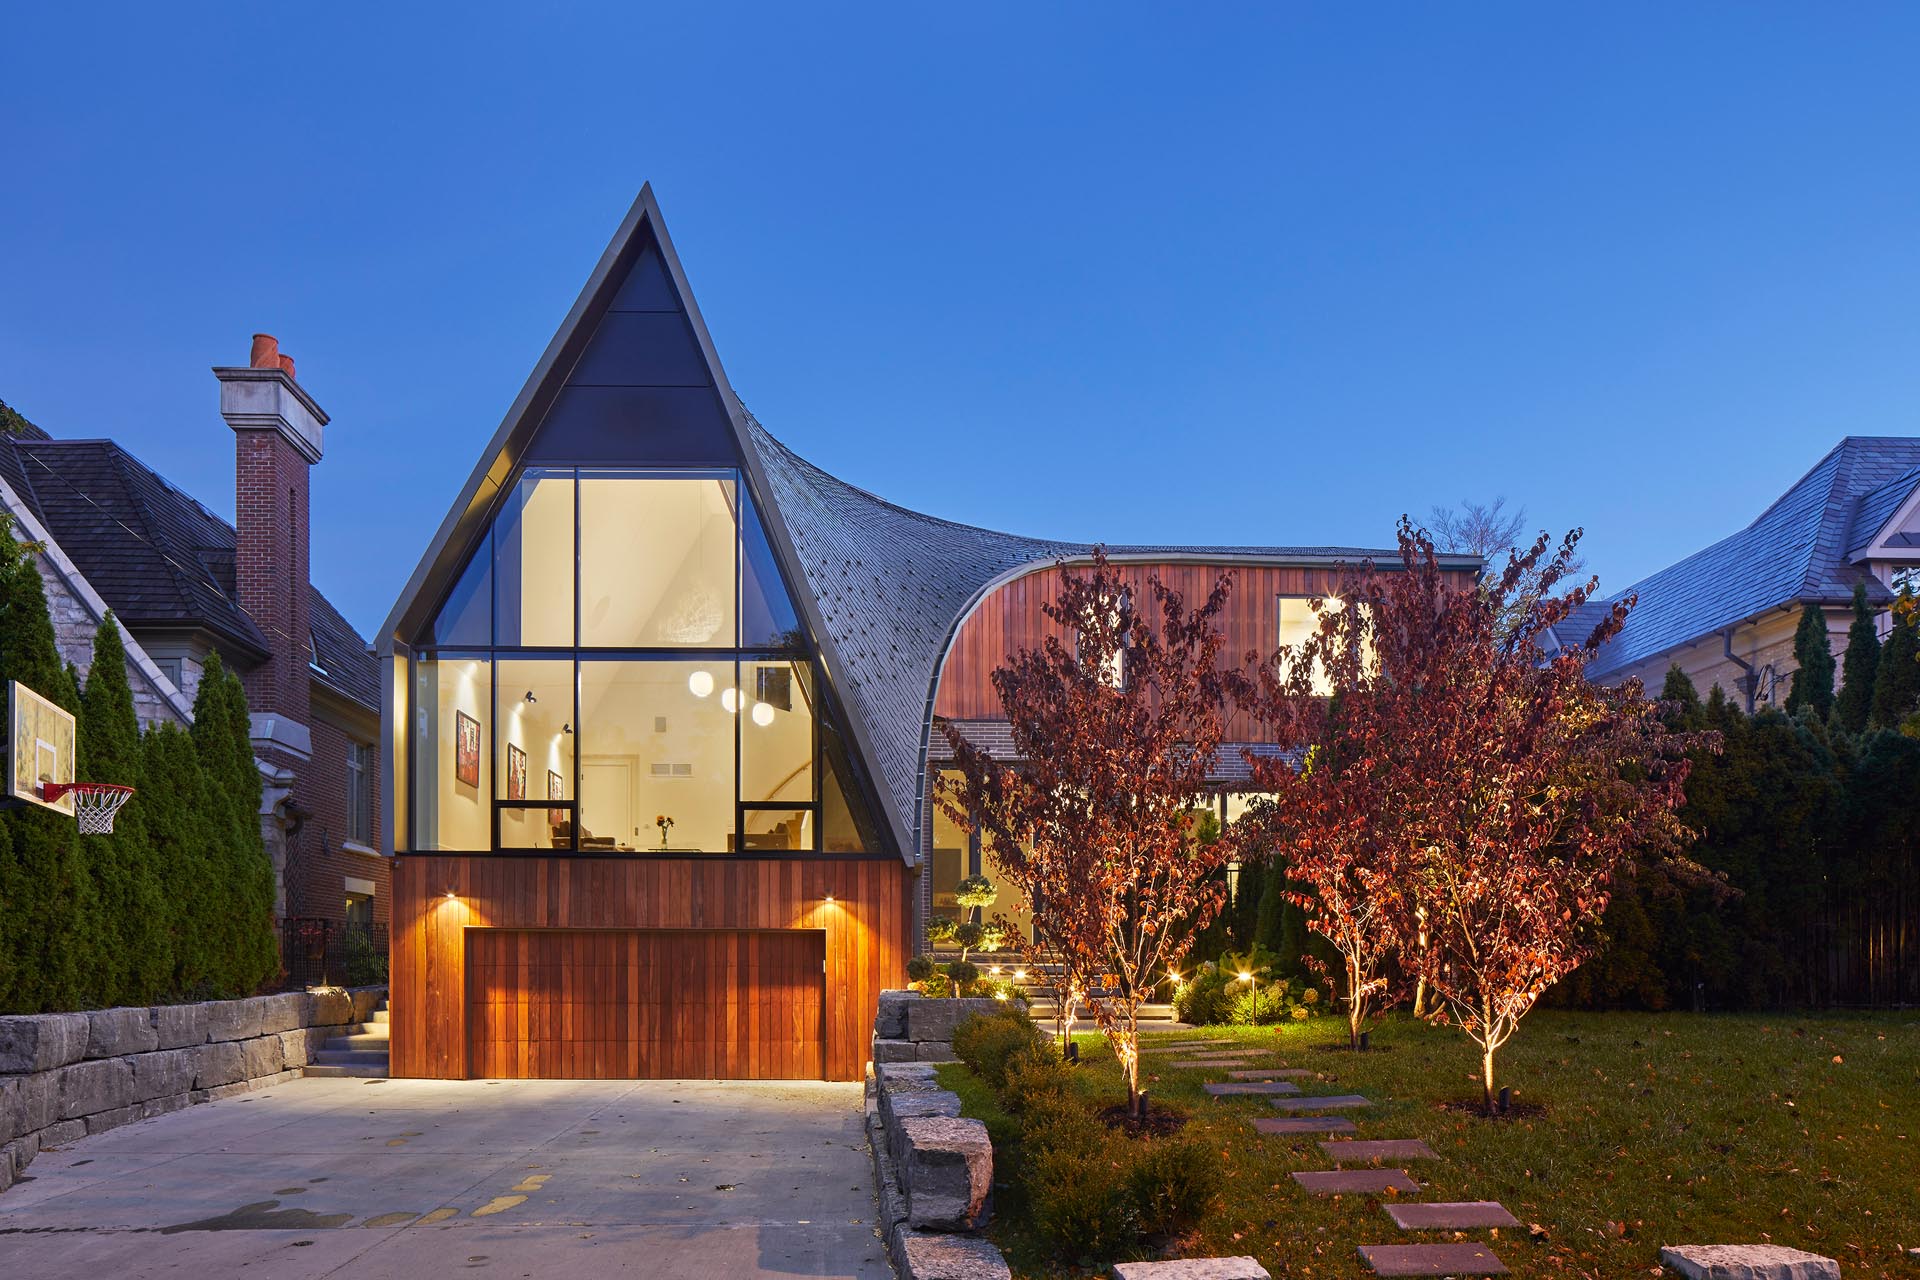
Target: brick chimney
276, 427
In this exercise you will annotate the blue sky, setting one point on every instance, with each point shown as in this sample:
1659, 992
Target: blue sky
1132, 273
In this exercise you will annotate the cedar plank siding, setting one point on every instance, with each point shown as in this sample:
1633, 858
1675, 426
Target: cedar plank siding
770, 911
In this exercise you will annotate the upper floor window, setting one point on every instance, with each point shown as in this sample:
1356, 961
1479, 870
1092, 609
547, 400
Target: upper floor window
1296, 622
621, 670
360, 792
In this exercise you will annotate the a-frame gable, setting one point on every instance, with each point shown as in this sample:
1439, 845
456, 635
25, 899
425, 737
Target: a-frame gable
631, 378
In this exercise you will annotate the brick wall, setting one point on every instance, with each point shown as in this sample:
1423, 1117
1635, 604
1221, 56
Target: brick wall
322, 860
271, 569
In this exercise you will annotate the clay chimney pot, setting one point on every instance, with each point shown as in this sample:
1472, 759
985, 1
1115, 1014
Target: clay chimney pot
266, 352
286, 365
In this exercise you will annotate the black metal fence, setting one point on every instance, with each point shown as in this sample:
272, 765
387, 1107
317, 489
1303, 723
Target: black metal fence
315, 951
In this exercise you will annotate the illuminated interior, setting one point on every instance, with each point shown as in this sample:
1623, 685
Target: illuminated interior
650, 692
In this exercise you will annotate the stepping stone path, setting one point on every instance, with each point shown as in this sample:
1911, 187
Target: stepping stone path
1352, 1151
1322, 1102
1293, 1125
1244, 1088
1459, 1258
1357, 1182
1431, 1260
1271, 1073
1464, 1215
1210, 1064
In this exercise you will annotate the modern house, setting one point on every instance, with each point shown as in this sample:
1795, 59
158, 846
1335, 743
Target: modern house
1726, 614
113, 534
660, 706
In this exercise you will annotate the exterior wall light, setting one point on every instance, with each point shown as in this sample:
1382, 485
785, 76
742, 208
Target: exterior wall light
452, 896
530, 697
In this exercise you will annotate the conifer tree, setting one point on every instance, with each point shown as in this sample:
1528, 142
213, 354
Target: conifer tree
223, 738
54, 925
1812, 688
1896, 690
176, 806
1859, 667
132, 900
1682, 699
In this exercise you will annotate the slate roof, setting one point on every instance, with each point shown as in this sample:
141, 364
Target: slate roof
892, 585
158, 557
1795, 552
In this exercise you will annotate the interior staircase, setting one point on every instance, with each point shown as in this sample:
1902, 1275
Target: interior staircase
358, 1050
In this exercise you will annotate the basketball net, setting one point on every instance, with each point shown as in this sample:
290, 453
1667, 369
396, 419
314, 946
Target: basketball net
94, 803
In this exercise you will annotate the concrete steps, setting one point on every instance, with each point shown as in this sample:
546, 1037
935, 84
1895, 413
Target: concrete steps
359, 1051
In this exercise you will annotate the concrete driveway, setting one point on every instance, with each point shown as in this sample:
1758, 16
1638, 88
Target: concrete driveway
422, 1178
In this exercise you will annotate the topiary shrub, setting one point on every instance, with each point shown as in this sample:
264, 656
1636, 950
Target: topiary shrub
1204, 999
987, 1042
1175, 1183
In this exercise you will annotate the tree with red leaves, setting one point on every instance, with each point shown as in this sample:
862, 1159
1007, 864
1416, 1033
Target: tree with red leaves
1468, 798
1115, 730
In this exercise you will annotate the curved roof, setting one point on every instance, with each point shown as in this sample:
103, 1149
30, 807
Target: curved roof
893, 585
885, 587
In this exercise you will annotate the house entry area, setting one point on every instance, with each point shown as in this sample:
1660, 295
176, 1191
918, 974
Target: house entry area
653, 1004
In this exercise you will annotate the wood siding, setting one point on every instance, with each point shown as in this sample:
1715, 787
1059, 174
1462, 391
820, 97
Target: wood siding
651, 1004
1011, 619
863, 931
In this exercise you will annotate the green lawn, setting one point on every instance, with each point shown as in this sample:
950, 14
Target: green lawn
1657, 1129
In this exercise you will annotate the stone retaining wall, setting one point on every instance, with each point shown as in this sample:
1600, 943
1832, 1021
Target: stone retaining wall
66, 1075
911, 1027
932, 1167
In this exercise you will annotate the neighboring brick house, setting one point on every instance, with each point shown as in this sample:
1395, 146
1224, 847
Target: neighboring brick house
185, 584
1726, 614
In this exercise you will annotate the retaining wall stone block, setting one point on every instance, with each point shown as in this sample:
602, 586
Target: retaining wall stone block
894, 1051
101, 1121
61, 1132
218, 1064
947, 1171
281, 1012
42, 1041
921, 1256
890, 1023
102, 1085
233, 1020
329, 1008
114, 1032
936, 1019
175, 1026
162, 1074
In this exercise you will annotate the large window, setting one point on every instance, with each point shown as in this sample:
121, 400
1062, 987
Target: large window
620, 670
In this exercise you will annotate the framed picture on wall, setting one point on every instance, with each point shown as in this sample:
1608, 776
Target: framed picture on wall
556, 790
466, 749
516, 773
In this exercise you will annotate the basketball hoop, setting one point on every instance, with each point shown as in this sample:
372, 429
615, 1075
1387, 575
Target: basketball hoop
94, 803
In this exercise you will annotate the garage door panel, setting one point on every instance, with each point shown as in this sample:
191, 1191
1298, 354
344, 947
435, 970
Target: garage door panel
649, 1004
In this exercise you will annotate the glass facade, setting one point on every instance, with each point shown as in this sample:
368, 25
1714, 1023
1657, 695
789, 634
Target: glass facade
620, 670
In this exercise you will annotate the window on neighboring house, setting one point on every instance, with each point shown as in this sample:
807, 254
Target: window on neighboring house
359, 910
313, 654
360, 792
170, 668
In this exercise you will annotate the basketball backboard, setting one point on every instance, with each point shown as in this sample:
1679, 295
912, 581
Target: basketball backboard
39, 747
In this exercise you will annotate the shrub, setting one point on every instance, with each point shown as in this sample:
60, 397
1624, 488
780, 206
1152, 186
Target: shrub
1080, 1199
366, 964
1037, 1079
986, 1042
1175, 1182
962, 972
1204, 1000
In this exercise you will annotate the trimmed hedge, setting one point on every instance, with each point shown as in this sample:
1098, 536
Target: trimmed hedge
178, 902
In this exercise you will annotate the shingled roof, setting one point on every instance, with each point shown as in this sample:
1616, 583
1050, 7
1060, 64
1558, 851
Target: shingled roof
1796, 552
892, 586
158, 557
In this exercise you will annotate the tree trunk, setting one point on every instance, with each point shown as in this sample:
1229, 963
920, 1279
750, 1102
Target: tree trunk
1126, 1046
1420, 999
1486, 1076
1356, 1011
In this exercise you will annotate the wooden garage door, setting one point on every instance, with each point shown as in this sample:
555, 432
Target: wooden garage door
646, 1004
